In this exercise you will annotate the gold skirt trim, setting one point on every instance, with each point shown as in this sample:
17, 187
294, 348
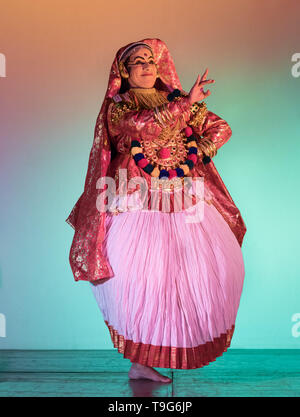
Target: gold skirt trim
171, 357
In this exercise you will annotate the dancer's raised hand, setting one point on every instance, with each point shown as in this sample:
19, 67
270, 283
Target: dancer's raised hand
197, 93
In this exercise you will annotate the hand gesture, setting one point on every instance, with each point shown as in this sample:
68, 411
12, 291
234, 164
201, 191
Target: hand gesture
197, 93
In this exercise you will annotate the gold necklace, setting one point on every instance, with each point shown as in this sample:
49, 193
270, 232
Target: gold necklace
148, 98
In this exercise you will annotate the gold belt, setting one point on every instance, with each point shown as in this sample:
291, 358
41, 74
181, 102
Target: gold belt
166, 184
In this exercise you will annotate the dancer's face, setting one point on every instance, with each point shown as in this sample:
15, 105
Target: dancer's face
142, 69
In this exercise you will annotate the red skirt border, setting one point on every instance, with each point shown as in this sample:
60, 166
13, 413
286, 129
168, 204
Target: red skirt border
172, 357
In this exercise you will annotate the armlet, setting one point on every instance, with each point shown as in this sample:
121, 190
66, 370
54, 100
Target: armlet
199, 112
118, 109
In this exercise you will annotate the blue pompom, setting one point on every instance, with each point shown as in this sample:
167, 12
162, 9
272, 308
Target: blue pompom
190, 138
180, 172
193, 149
138, 156
163, 173
149, 168
170, 97
135, 143
189, 163
206, 159
175, 93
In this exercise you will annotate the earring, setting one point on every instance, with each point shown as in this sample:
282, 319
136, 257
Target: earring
122, 70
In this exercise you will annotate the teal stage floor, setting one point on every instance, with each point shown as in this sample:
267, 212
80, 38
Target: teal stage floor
103, 373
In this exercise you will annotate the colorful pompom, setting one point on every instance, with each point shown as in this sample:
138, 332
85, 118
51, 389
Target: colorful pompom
191, 138
155, 172
193, 149
163, 173
183, 169
206, 159
143, 163
191, 143
189, 163
188, 131
192, 157
172, 173
175, 93
180, 172
149, 168
135, 142
138, 156
135, 150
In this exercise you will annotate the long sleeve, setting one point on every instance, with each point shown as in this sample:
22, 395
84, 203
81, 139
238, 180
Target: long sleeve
146, 122
215, 129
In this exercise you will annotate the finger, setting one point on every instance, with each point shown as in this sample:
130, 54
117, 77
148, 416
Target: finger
204, 93
204, 75
197, 80
207, 82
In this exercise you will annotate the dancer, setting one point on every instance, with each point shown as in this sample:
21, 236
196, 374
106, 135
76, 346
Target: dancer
168, 288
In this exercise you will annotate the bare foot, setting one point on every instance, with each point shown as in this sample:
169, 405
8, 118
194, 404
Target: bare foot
138, 371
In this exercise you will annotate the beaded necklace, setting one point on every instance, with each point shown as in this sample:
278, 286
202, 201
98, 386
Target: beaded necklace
183, 168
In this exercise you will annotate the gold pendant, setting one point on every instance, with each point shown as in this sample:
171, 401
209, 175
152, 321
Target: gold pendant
168, 151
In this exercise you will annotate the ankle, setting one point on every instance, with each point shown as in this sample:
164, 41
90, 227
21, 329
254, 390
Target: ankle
138, 365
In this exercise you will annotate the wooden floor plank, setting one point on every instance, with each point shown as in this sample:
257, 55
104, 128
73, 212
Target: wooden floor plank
78, 384
237, 373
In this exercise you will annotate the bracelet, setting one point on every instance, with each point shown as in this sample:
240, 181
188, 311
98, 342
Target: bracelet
208, 147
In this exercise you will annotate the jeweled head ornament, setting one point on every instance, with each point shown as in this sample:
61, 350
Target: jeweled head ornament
131, 49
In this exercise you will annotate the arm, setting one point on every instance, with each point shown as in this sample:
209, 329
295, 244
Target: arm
214, 130
147, 123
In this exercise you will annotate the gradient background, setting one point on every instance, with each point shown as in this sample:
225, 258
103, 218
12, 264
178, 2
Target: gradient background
58, 57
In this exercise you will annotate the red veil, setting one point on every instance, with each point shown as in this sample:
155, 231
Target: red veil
87, 260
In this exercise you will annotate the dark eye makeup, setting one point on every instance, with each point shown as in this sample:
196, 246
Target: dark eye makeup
143, 62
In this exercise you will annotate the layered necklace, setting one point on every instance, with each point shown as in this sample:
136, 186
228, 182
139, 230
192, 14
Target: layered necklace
174, 152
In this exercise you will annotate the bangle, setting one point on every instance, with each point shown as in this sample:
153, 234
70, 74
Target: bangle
208, 147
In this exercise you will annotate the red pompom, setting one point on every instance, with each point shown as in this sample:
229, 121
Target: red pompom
172, 173
164, 153
192, 157
143, 163
188, 131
